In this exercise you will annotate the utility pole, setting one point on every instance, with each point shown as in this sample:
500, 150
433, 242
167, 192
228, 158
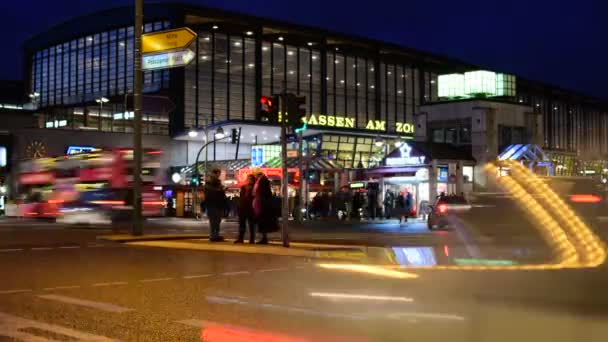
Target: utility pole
284, 178
301, 196
137, 228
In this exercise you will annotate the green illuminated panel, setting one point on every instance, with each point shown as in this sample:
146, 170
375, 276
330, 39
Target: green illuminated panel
480, 82
451, 85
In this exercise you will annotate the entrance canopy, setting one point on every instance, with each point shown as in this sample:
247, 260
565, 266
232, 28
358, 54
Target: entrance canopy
524, 152
416, 153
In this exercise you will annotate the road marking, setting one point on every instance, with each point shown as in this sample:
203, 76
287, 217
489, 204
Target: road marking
274, 269
15, 291
96, 245
196, 276
14, 327
195, 323
112, 283
69, 247
153, 280
11, 249
87, 303
41, 248
67, 287
235, 273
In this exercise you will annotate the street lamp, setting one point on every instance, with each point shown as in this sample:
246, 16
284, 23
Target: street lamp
193, 133
101, 101
34, 96
219, 133
378, 142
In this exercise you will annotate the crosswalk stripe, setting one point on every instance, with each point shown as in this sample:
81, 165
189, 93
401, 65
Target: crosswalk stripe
14, 327
86, 303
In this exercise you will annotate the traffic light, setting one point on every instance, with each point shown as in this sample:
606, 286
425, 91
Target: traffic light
195, 180
296, 112
269, 109
235, 135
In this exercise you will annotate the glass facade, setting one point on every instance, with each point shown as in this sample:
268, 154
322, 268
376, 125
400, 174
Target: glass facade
221, 84
569, 124
234, 66
85, 69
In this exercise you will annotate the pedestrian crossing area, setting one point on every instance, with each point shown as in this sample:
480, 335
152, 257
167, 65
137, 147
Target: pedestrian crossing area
152, 309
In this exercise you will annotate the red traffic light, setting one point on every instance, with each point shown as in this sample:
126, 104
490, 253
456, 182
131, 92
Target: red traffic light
265, 100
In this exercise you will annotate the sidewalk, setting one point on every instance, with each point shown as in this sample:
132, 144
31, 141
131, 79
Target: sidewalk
201, 243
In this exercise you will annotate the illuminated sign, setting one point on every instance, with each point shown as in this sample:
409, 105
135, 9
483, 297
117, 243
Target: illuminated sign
330, 121
167, 60
345, 122
404, 127
442, 175
406, 158
72, 149
476, 83
167, 40
257, 156
358, 185
2, 156
376, 125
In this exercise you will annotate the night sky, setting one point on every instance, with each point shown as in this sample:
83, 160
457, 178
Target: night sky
560, 44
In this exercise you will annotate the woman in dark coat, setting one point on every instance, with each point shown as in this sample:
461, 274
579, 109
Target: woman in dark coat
245, 211
263, 208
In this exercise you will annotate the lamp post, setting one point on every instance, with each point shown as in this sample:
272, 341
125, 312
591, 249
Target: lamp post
219, 135
101, 101
34, 96
137, 228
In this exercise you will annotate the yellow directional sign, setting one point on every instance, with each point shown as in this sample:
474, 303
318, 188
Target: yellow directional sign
167, 40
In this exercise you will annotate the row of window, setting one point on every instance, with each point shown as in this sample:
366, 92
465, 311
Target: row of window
570, 127
221, 84
91, 67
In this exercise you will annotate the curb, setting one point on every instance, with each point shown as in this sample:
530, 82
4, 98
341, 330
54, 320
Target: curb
121, 238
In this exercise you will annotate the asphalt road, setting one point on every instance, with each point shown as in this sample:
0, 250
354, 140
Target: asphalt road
63, 285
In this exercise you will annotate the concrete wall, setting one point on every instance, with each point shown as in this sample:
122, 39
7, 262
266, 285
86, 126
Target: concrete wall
486, 116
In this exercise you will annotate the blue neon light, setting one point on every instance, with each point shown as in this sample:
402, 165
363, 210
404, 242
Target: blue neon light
73, 149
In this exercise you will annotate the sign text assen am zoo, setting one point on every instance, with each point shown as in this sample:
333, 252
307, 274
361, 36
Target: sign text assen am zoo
346, 122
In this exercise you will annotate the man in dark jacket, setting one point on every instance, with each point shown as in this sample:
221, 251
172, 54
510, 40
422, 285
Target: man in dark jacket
245, 211
215, 201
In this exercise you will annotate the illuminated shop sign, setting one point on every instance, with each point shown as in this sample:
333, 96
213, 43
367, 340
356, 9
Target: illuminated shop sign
331, 121
406, 157
2, 156
345, 122
358, 185
442, 175
73, 149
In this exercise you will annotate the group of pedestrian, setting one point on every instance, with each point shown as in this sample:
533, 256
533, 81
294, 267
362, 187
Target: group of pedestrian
255, 208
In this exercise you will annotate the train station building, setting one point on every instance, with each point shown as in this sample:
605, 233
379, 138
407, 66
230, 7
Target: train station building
364, 98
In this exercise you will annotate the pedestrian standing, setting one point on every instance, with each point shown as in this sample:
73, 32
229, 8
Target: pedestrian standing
215, 202
245, 211
389, 198
400, 206
263, 207
409, 205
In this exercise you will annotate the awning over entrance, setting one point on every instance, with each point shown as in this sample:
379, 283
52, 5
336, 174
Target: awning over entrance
524, 152
321, 164
228, 165
416, 153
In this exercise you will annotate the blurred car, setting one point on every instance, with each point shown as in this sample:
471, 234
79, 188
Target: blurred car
443, 207
587, 196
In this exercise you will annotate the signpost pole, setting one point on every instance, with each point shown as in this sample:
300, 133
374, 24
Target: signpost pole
285, 175
137, 228
301, 196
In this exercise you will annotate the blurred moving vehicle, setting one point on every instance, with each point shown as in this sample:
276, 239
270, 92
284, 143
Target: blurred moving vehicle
588, 196
90, 187
443, 207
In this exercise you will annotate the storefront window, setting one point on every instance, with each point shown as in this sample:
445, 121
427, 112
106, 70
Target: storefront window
467, 173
